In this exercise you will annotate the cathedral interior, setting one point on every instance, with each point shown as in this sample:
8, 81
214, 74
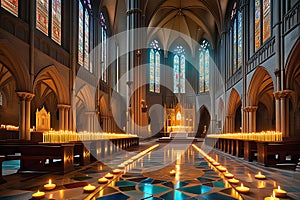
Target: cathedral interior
140, 99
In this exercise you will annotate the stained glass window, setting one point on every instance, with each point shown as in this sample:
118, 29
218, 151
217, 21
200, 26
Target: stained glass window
86, 39
42, 9
154, 67
240, 41
204, 65
80, 34
103, 49
151, 71
157, 72
266, 19
176, 73
179, 70
234, 65
257, 24
56, 21
11, 6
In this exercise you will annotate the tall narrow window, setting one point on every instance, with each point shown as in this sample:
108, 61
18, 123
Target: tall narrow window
86, 39
56, 21
266, 20
236, 33
80, 34
103, 48
42, 10
154, 67
204, 65
179, 70
234, 66
257, 24
11, 6
262, 20
240, 41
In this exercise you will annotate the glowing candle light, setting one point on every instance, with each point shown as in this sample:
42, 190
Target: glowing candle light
279, 192
228, 175
49, 185
109, 175
272, 197
51, 197
215, 164
221, 168
89, 188
116, 171
233, 181
102, 180
260, 176
242, 189
172, 172
38, 195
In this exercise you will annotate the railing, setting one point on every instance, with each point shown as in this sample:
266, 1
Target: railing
268, 136
291, 19
265, 52
236, 77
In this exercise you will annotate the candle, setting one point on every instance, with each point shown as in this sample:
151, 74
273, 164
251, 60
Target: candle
102, 180
173, 172
215, 164
38, 195
116, 171
89, 188
51, 197
221, 168
242, 189
228, 175
260, 176
49, 185
109, 175
233, 181
272, 197
279, 192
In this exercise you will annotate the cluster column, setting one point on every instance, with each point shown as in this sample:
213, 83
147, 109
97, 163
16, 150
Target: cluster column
24, 114
251, 118
63, 112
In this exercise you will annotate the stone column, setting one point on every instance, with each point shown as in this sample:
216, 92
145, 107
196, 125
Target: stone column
277, 111
63, 112
252, 118
66, 118
24, 114
284, 112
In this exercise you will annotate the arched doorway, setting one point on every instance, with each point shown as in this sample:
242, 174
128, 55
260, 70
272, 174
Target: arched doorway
234, 115
204, 122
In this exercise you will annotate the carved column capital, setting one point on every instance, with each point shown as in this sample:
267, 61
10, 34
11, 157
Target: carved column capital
25, 96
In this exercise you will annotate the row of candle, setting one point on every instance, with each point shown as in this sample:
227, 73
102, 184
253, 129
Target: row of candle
242, 189
9, 127
69, 136
268, 136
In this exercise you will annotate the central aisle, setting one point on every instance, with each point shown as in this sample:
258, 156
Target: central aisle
149, 177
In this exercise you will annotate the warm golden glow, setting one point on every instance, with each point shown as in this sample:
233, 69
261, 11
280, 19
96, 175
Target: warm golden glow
265, 136
89, 188
49, 185
38, 195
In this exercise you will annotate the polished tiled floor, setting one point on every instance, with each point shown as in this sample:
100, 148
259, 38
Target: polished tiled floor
148, 178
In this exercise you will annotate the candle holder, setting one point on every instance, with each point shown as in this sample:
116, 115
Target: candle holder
38, 195
116, 171
279, 192
109, 176
228, 175
221, 168
89, 188
49, 186
102, 180
233, 181
272, 197
260, 176
242, 189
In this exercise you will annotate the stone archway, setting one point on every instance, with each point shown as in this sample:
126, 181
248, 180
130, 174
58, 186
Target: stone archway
261, 101
204, 122
234, 115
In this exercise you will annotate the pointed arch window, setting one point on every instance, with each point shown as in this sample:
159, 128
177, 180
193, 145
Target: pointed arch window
204, 65
179, 70
44, 16
84, 11
237, 39
11, 6
103, 37
262, 22
154, 67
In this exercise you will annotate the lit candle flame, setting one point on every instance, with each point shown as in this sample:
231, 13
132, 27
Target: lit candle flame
242, 185
50, 181
278, 187
51, 196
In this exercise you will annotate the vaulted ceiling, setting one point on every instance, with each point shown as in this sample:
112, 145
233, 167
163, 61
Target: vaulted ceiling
196, 19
